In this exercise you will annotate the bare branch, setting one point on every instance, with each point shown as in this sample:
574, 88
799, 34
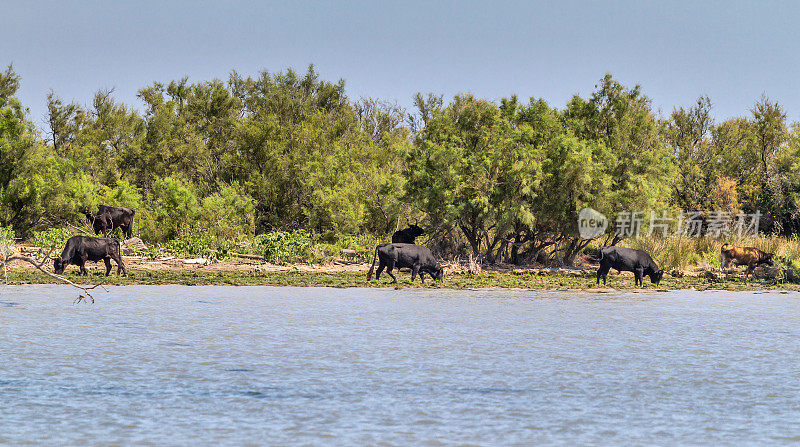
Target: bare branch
85, 230
39, 266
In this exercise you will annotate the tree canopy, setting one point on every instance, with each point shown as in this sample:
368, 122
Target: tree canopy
498, 180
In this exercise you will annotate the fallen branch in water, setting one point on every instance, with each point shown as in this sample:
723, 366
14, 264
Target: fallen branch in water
4, 260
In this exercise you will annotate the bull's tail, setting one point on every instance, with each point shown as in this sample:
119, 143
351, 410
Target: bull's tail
372, 267
120, 263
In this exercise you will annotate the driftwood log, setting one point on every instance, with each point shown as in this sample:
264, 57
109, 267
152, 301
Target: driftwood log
244, 256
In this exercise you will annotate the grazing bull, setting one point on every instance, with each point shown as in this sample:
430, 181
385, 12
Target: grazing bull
749, 256
407, 235
630, 260
416, 257
109, 217
80, 249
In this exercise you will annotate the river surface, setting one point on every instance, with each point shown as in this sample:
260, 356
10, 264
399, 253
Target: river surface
175, 365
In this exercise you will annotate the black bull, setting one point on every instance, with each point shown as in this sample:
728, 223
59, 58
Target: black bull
416, 257
631, 260
109, 217
407, 235
80, 249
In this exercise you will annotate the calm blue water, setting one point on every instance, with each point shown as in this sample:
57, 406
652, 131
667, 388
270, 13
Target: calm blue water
170, 365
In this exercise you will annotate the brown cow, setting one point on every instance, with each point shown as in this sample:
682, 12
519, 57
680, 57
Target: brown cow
749, 256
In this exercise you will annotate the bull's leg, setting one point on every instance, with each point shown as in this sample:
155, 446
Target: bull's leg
414, 272
381, 266
83, 269
722, 265
121, 266
422, 277
108, 265
602, 272
389, 268
639, 274
750, 268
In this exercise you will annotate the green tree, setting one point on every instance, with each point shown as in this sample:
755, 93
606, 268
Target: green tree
173, 206
228, 213
9, 84
770, 132
65, 122
639, 162
688, 135
473, 168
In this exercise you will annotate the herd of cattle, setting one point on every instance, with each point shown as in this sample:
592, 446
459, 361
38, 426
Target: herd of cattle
402, 252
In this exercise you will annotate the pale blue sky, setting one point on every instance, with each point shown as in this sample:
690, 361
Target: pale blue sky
731, 51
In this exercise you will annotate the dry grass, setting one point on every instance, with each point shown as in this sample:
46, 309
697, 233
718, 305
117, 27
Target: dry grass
681, 252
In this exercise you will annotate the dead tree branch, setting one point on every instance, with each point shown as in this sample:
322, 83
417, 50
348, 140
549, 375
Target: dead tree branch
39, 265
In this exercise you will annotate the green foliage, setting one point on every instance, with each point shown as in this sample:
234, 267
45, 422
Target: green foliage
473, 167
228, 213
173, 207
363, 245
217, 162
54, 238
6, 234
122, 194
281, 247
196, 242
7, 242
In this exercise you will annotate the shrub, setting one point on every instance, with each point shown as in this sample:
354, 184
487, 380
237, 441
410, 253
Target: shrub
228, 213
51, 238
196, 241
791, 248
6, 240
363, 245
174, 206
281, 247
123, 194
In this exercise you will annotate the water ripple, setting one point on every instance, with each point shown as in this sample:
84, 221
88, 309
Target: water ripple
286, 366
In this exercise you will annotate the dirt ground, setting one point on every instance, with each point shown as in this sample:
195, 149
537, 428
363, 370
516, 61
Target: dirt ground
584, 267
237, 265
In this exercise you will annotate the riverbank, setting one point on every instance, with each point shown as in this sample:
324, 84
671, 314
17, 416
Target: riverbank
174, 271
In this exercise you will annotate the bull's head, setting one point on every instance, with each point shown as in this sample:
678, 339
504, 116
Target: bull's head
439, 274
655, 277
768, 259
416, 231
58, 266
